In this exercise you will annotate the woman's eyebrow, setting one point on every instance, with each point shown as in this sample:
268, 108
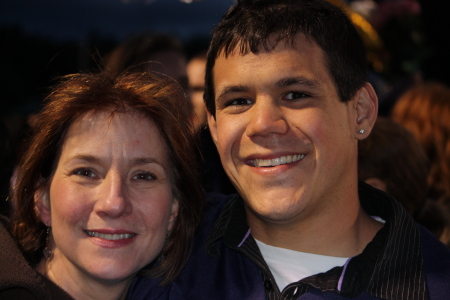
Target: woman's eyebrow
83, 157
144, 161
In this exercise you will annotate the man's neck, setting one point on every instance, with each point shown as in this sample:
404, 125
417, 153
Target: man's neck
343, 231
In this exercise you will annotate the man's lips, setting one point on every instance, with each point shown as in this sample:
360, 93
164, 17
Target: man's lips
272, 162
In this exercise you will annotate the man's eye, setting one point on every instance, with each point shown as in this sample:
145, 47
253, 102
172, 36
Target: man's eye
144, 176
84, 172
295, 95
240, 102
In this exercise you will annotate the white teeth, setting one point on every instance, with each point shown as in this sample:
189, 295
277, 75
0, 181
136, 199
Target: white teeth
110, 237
277, 161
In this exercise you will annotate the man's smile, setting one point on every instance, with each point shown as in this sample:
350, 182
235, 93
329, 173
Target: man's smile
286, 159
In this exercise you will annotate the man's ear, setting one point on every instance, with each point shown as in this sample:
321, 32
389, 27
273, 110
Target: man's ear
212, 126
366, 105
42, 205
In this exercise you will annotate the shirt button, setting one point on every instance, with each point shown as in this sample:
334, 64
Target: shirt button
268, 285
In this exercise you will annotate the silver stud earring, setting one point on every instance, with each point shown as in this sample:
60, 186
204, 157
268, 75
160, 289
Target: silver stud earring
361, 131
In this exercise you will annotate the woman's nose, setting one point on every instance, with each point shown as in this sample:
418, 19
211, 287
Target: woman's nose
112, 198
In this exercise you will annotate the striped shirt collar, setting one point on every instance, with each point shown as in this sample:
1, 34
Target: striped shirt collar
379, 271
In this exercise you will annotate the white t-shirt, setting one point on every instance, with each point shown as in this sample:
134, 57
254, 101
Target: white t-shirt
289, 266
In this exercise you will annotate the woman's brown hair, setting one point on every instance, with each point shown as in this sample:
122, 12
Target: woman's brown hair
158, 98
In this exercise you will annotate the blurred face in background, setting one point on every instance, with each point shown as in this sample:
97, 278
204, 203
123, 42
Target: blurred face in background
196, 76
172, 64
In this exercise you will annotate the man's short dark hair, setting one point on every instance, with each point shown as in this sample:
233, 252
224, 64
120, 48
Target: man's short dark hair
250, 24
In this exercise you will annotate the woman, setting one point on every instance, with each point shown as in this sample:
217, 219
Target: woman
108, 185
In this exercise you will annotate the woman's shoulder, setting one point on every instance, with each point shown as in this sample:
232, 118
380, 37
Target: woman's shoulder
49, 291
18, 280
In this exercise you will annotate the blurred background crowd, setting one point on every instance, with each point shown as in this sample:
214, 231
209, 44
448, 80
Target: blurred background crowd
407, 155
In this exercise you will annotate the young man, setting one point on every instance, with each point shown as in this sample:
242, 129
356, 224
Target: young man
288, 100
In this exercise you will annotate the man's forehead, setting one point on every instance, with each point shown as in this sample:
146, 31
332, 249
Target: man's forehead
301, 53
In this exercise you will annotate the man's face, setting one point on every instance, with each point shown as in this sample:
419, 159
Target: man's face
285, 139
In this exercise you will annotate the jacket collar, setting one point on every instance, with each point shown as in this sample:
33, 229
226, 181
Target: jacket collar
379, 270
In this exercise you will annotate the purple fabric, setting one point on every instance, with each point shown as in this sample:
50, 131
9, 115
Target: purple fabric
245, 237
341, 279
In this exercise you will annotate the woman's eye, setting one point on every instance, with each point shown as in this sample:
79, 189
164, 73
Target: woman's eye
295, 95
239, 102
84, 172
144, 176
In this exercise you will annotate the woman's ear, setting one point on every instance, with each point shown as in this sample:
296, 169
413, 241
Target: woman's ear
42, 206
366, 111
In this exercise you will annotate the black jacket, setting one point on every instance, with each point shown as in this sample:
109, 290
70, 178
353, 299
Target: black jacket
18, 280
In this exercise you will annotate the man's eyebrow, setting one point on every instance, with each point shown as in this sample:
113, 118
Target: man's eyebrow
285, 82
232, 89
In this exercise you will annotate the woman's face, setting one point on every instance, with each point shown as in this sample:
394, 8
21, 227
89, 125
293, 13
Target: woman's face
111, 201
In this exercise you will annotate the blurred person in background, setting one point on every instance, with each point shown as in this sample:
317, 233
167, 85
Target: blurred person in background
391, 160
196, 80
159, 53
214, 178
424, 110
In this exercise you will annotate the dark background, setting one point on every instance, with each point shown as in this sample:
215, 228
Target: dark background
43, 39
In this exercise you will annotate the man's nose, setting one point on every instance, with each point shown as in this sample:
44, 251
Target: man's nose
266, 117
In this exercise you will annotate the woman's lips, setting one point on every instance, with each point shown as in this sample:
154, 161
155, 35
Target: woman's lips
110, 236
111, 239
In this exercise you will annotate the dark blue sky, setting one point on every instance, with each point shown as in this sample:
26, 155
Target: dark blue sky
76, 19
44, 39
